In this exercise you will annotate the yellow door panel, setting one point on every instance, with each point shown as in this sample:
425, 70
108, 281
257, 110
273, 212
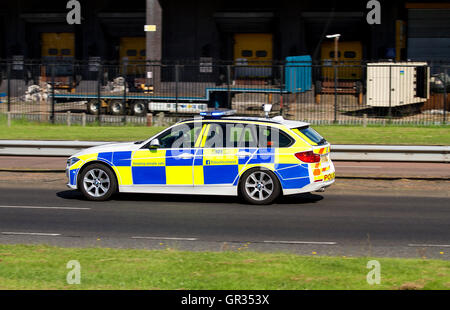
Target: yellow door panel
179, 175
58, 44
349, 53
253, 47
132, 52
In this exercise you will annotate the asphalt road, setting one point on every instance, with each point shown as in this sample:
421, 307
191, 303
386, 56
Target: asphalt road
326, 224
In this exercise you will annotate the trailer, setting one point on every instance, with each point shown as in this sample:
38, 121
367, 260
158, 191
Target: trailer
177, 97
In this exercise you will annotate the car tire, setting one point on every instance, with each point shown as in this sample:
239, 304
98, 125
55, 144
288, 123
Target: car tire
97, 182
259, 186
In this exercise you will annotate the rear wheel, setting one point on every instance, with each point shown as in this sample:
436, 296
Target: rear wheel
138, 108
97, 182
116, 107
259, 186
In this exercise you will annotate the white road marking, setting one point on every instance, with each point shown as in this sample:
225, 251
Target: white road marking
166, 238
30, 234
301, 242
50, 208
430, 245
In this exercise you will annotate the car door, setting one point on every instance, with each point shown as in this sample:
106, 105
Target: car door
171, 162
222, 155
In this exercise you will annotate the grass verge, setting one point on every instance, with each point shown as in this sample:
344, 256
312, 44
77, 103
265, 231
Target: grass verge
336, 134
44, 267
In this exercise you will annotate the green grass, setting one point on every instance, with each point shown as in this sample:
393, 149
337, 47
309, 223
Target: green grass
336, 134
44, 267
408, 135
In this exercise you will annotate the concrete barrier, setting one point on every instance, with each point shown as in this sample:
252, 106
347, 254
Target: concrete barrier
399, 153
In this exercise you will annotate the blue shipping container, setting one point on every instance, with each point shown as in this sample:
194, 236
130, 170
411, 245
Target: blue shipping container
298, 74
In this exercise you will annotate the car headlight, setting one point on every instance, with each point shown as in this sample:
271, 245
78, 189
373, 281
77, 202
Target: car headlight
72, 161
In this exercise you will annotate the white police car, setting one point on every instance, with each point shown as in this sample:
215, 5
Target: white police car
258, 159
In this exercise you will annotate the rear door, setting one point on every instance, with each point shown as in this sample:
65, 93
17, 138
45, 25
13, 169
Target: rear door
226, 149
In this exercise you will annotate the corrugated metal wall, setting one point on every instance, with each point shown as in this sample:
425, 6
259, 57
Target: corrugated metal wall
429, 34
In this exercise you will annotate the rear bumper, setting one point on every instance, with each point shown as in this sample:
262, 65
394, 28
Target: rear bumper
312, 187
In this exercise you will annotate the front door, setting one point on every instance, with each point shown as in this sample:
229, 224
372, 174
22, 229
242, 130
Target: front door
172, 162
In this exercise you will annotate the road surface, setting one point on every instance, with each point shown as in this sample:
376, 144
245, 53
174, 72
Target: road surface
342, 221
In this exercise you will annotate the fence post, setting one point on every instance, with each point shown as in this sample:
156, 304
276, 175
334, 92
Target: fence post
125, 84
8, 118
83, 119
69, 118
445, 97
99, 104
390, 95
177, 79
335, 93
229, 86
281, 89
9, 86
53, 93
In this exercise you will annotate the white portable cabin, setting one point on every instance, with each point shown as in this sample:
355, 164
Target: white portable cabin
397, 84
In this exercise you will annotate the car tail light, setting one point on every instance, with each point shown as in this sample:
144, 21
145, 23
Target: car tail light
308, 157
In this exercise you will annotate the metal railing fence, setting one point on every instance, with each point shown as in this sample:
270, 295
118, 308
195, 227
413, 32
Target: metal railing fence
146, 93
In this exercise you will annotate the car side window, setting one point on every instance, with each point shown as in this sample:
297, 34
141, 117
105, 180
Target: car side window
215, 138
271, 137
231, 135
181, 136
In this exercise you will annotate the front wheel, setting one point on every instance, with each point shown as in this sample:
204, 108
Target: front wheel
259, 186
97, 182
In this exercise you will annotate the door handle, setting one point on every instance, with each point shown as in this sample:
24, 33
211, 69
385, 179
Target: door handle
185, 156
243, 154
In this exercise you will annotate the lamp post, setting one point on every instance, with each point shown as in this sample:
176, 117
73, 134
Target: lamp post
336, 57
336, 45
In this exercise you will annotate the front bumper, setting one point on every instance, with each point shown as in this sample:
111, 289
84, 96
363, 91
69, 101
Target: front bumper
71, 186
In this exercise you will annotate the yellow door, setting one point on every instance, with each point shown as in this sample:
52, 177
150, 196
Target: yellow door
58, 44
132, 52
253, 49
349, 53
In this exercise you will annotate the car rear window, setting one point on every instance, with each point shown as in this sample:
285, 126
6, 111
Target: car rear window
312, 135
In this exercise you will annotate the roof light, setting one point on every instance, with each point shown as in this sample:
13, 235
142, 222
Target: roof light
217, 113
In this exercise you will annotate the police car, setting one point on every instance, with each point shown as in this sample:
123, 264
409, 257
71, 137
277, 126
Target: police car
258, 159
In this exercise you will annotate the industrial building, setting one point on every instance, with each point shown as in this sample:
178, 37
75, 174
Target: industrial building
223, 30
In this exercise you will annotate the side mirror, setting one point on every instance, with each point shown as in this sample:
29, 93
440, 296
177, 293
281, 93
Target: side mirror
154, 144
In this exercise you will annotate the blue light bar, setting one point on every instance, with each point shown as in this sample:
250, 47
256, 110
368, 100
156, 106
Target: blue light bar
218, 113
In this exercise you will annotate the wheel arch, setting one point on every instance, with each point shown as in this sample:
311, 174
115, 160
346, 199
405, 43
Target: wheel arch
90, 163
239, 180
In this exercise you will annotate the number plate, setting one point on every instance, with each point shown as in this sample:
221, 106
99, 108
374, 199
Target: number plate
329, 177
